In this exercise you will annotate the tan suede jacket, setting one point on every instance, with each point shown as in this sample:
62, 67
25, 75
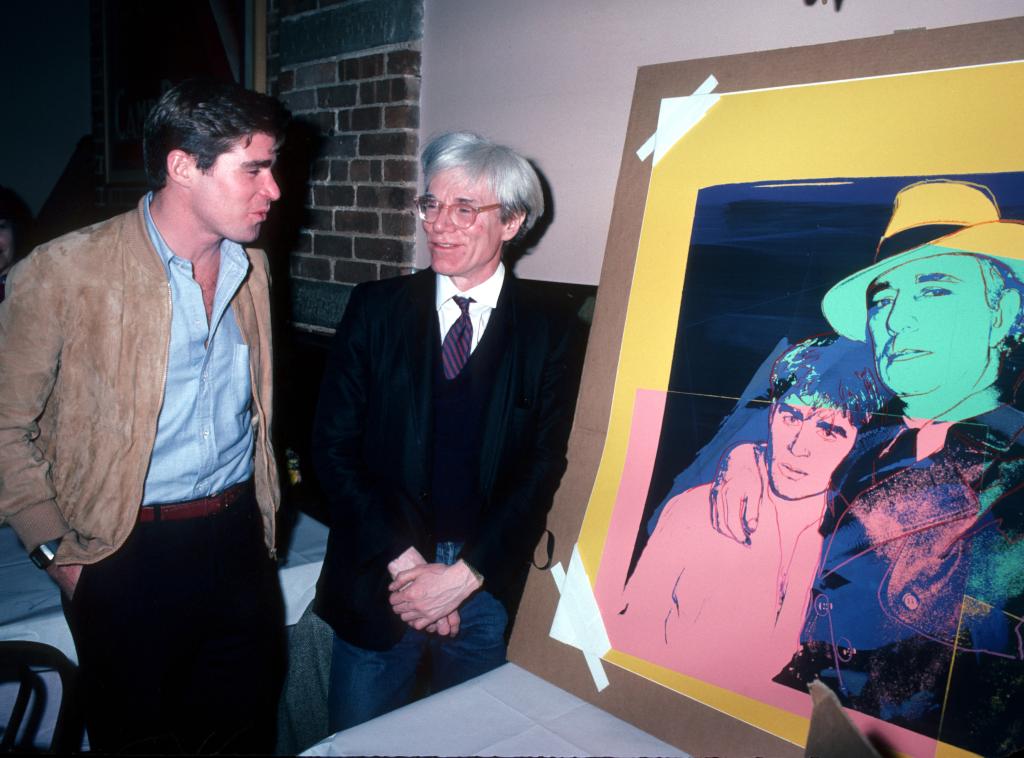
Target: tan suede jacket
84, 334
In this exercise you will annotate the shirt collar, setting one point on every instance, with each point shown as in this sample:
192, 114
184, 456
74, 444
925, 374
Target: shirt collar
485, 293
155, 237
231, 252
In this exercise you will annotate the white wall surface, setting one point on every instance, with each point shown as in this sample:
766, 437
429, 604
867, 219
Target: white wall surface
554, 79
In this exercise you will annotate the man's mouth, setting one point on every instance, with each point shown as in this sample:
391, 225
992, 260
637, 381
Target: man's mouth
792, 472
905, 354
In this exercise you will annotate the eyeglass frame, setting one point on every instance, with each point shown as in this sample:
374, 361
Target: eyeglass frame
477, 210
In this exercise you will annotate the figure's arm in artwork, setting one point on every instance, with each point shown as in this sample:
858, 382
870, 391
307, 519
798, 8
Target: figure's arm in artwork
650, 600
736, 493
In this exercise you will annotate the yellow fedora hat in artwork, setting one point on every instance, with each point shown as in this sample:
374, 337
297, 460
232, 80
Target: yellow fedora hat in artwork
939, 202
930, 218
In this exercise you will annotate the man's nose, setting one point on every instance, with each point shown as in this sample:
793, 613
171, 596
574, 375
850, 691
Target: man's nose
901, 315
271, 188
797, 446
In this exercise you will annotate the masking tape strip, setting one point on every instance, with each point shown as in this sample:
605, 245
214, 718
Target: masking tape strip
677, 116
577, 620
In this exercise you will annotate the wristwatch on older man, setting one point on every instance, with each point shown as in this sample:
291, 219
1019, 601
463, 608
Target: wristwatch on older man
43, 555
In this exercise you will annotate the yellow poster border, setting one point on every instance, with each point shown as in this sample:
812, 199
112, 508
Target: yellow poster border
935, 123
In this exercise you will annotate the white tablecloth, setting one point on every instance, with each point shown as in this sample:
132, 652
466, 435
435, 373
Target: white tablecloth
508, 711
29, 600
301, 568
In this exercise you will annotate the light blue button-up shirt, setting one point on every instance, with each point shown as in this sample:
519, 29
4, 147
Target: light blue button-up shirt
204, 440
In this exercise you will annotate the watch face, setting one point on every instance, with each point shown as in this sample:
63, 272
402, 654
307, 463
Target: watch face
42, 556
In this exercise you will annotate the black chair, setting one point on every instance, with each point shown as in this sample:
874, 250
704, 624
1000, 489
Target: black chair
25, 663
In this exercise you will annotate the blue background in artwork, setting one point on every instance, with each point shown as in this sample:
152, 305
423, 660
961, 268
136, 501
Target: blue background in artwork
761, 258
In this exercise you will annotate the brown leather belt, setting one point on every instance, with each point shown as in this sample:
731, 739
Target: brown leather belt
188, 509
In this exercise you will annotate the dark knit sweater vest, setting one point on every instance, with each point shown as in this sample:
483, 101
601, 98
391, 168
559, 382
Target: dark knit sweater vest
459, 407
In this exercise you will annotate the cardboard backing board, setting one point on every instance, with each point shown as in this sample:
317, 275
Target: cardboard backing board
674, 718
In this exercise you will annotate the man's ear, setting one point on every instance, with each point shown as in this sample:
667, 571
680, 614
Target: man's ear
1005, 316
181, 167
510, 228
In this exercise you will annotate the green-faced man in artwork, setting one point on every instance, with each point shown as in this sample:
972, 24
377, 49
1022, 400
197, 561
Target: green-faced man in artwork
939, 315
916, 613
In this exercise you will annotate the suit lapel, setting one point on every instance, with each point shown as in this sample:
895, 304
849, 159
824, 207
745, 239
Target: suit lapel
499, 406
418, 334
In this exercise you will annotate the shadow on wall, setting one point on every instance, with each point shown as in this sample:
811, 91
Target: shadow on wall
530, 240
298, 358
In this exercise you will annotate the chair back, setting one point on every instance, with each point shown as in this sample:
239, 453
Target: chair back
25, 664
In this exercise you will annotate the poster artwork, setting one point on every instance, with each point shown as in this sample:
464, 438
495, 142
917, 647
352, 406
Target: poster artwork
828, 485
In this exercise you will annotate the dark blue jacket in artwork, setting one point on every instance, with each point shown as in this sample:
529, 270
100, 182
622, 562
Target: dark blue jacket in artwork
915, 614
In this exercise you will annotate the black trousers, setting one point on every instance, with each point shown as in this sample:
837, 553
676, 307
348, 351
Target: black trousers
180, 638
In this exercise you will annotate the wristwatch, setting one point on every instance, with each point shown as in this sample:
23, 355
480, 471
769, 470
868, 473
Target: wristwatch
43, 555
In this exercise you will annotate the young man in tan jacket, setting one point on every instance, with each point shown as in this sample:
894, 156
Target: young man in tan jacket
135, 456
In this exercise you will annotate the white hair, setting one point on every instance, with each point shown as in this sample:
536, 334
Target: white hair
510, 176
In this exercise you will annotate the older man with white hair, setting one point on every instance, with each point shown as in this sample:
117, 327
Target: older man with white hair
440, 439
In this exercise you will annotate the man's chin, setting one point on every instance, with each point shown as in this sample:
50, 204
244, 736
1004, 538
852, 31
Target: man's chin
790, 490
442, 265
904, 381
247, 236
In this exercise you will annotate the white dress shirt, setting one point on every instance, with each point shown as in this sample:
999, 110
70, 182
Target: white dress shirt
485, 300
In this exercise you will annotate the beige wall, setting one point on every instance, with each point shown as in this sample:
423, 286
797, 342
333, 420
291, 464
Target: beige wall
554, 79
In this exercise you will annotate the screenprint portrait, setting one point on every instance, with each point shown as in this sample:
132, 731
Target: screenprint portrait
861, 521
681, 604
915, 611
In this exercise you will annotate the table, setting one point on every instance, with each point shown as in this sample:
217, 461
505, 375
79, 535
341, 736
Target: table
508, 711
29, 600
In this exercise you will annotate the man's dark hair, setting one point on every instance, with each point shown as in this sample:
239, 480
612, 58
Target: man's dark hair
833, 371
205, 118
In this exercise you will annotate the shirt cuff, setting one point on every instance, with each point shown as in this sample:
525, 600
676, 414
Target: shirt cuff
474, 572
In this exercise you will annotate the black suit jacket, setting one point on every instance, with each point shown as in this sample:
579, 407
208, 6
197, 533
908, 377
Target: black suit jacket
372, 447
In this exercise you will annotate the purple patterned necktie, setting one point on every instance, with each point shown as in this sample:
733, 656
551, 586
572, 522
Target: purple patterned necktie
455, 348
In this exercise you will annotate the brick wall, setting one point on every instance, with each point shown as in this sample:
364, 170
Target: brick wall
350, 74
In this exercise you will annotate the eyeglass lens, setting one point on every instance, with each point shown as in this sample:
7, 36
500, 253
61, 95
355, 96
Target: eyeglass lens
461, 214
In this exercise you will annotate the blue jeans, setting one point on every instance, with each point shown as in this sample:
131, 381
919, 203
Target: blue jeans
367, 683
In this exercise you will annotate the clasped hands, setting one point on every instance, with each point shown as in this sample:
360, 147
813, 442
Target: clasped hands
426, 596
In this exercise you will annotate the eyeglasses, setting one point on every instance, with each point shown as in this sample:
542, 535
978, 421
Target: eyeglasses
462, 215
